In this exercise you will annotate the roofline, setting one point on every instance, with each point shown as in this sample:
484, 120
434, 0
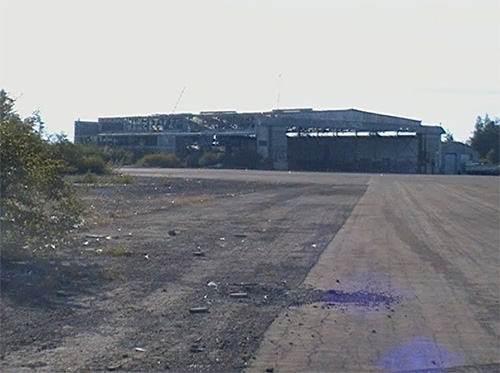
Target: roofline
301, 110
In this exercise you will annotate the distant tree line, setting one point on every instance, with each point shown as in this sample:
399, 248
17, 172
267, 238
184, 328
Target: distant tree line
486, 139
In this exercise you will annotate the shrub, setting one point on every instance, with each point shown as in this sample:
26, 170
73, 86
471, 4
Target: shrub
37, 206
192, 160
93, 163
210, 159
80, 158
88, 178
166, 160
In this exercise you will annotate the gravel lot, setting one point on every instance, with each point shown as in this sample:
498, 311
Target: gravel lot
225, 271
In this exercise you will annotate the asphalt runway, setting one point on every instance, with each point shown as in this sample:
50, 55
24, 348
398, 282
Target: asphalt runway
409, 283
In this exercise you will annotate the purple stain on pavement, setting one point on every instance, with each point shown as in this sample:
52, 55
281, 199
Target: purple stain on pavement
418, 354
370, 281
359, 298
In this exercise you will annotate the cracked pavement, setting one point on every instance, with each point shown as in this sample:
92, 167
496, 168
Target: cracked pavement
432, 242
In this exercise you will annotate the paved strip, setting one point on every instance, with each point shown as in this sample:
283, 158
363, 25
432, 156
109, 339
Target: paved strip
414, 284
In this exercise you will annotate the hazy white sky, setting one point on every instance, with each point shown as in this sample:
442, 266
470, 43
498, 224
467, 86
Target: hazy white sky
437, 61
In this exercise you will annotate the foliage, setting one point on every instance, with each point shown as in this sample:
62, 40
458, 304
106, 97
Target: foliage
81, 158
87, 178
38, 207
192, 160
210, 159
166, 160
240, 158
93, 163
486, 139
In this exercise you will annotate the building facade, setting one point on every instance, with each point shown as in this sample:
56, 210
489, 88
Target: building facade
343, 140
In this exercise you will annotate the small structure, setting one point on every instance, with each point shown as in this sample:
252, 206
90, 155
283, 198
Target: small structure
455, 157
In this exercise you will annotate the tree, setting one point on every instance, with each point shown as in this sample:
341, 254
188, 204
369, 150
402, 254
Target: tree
37, 206
486, 139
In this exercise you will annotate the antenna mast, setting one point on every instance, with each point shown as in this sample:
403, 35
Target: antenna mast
177, 103
279, 92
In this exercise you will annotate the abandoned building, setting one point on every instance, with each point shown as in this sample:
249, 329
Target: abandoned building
290, 139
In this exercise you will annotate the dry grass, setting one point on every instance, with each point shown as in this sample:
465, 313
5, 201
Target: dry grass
112, 274
118, 250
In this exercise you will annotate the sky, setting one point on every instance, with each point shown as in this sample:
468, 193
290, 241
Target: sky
437, 61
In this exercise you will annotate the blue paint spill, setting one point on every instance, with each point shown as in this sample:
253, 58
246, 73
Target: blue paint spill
359, 298
418, 354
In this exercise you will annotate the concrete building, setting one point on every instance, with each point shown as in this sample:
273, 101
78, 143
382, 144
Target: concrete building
343, 140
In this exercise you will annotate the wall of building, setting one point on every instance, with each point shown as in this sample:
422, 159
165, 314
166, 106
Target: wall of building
272, 143
419, 152
354, 154
455, 155
86, 131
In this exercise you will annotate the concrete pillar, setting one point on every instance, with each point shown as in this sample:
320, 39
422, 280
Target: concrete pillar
272, 142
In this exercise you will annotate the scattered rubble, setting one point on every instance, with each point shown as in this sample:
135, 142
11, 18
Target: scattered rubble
238, 295
198, 310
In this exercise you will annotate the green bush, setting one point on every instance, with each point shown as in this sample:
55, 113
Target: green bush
192, 159
93, 163
80, 158
87, 178
165, 160
38, 207
210, 159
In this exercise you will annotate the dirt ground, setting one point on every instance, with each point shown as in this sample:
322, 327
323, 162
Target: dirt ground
174, 274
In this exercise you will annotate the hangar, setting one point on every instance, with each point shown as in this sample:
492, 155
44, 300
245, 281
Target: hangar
347, 140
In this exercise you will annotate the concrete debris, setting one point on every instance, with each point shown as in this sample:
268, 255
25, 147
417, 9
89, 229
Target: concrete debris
238, 295
195, 349
198, 310
115, 366
97, 236
243, 284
